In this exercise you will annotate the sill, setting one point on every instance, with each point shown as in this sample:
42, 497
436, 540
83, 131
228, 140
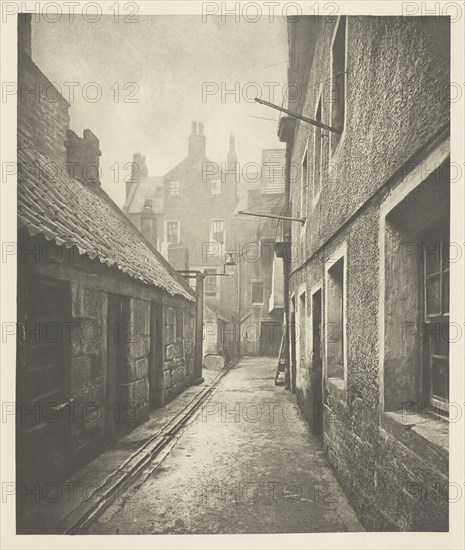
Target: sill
424, 435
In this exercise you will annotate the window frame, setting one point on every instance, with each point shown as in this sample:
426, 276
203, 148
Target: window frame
439, 231
219, 188
213, 271
333, 149
166, 231
318, 141
176, 190
304, 185
338, 255
212, 239
257, 282
434, 160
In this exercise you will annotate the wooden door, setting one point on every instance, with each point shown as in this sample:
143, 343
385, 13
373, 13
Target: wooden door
43, 368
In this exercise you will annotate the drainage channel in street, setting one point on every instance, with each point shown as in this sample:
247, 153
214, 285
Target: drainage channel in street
143, 462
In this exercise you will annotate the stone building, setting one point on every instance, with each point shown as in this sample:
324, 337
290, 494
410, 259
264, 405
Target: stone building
105, 323
189, 214
369, 275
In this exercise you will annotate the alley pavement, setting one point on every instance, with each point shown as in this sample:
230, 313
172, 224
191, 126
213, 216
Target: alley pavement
245, 463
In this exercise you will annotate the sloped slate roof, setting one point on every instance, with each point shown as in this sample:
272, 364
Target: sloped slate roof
70, 214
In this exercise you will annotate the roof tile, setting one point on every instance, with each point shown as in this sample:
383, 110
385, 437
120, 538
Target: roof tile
66, 211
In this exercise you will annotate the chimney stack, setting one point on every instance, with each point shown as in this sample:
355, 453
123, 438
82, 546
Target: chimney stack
148, 223
82, 158
197, 141
24, 33
232, 157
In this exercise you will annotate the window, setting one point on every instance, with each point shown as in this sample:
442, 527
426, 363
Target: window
338, 81
216, 187
435, 290
217, 231
303, 187
335, 306
317, 154
174, 188
172, 232
257, 293
211, 282
414, 295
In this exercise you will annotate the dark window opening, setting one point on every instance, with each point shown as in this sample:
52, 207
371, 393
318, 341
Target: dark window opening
335, 316
257, 293
211, 288
317, 155
338, 81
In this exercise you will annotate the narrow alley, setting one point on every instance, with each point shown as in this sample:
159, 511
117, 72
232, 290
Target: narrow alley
234, 276
246, 463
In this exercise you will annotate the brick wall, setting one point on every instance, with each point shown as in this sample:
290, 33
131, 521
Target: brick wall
42, 112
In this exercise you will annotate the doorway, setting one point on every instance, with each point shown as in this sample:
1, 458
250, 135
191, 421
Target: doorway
317, 365
271, 333
42, 444
292, 336
156, 356
116, 340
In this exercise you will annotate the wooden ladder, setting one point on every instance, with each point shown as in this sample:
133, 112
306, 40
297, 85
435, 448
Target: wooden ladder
281, 365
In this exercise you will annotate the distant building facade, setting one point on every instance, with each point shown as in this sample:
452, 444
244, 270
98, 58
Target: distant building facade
189, 214
369, 283
261, 270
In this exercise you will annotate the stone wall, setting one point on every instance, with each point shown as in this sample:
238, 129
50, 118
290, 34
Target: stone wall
134, 388
178, 361
88, 368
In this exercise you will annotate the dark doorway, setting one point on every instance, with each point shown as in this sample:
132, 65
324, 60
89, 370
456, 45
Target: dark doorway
116, 342
317, 363
156, 356
42, 449
293, 338
271, 333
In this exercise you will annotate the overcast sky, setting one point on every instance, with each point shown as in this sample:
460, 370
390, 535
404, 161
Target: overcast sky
172, 60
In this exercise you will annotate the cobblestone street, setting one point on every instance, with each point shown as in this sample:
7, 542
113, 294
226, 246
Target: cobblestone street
246, 463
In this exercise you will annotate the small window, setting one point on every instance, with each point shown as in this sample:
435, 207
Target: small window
217, 231
338, 82
172, 232
335, 319
211, 282
174, 188
257, 293
303, 187
435, 289
216, 187
317, 154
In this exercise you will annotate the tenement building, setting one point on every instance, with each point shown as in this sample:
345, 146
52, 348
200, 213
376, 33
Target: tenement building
105, 322
189, 214
369, 274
